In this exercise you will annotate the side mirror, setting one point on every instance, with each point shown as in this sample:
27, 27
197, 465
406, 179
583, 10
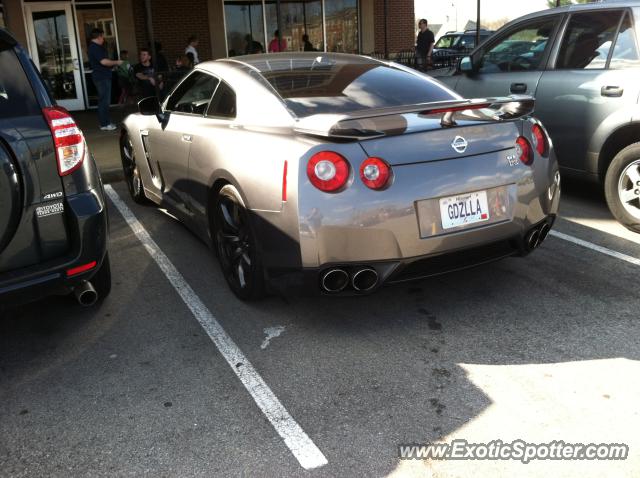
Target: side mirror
149, 106
466, 65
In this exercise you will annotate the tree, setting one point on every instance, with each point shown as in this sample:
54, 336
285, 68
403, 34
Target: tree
552, 3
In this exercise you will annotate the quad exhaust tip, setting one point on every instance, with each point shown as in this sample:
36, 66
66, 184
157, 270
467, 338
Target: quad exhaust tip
335, 280
364, 280
532, 239
85, 294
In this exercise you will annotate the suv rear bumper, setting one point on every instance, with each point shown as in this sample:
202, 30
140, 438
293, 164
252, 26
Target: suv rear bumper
87, 222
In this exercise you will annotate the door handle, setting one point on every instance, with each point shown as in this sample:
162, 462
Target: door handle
186, 138
612, 91
518, 88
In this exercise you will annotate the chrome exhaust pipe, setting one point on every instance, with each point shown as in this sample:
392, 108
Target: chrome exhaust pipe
544, 231
85, 294
532, 239
365, 279
335, 280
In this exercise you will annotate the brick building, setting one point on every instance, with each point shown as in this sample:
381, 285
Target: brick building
55, 31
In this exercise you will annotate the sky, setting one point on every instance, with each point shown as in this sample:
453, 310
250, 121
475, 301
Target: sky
437, 11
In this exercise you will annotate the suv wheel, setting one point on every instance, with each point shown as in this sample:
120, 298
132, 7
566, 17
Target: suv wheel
622, 187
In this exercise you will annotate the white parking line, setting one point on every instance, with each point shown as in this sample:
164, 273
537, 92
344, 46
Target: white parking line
306, 452
595, 247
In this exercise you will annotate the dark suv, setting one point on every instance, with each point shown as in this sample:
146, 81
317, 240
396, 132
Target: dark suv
582, 63
451, 46
53, 218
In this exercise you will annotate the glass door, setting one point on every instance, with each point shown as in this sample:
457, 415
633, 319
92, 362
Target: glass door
54, 50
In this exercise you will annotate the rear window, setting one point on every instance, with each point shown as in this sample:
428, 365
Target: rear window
344, 87
16, 95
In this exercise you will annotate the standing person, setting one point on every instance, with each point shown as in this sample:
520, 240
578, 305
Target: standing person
101, 67
307, 44
424, 45
191, 51
145, 75
277, 44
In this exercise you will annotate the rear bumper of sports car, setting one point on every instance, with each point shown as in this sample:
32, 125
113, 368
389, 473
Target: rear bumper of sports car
366, 238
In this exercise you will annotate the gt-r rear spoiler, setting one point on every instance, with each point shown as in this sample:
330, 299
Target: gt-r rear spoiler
378, 122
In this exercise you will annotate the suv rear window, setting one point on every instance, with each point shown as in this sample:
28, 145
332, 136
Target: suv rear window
16, 95
342, 87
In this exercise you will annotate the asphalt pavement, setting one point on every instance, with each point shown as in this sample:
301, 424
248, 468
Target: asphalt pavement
171, 375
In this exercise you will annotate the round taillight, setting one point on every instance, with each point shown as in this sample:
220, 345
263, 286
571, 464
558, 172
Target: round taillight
375, 173
328, 171
524, 151
539, 140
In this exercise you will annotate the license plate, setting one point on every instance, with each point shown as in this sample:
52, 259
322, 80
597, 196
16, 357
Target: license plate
464, 209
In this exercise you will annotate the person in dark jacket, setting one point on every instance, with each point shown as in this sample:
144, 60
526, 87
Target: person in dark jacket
307, 44
101, 75
424, 45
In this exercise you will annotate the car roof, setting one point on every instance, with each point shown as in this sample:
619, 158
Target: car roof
300, 61
602, 5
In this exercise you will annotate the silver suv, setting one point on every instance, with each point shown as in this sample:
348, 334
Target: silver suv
582, 63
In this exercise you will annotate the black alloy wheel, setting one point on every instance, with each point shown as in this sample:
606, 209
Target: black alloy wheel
236, 245
131, 170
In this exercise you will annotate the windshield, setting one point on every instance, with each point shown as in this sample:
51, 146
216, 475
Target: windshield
446, 41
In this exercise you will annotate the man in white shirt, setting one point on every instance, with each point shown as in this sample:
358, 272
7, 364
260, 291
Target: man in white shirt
191, 51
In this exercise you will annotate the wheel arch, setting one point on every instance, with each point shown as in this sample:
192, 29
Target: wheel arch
616, 142
220, 179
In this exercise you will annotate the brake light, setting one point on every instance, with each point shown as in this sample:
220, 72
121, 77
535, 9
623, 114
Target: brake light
80, 269
539, 140
454, 109
524, 151
375, 173
328, 171
67, 139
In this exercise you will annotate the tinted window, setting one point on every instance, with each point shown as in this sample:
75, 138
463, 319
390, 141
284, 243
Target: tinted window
223, 104
16, 95
521, 49
193, 94
625, 53
587, 40
446, 41
341, 87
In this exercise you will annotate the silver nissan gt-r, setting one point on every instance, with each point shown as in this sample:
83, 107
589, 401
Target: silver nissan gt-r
340, 173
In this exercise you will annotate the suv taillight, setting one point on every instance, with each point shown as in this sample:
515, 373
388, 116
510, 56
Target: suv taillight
67, 139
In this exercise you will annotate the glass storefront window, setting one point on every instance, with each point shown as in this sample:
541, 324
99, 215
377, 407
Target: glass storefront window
297, 18
244, 18
54, 52
342, 26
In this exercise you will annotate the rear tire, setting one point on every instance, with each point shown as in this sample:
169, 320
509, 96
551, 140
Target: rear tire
236, 245
131, 170
622, 187
102, 279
